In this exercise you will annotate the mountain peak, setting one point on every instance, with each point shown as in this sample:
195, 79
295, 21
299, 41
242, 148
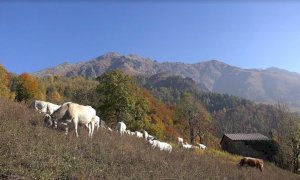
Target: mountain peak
111, 55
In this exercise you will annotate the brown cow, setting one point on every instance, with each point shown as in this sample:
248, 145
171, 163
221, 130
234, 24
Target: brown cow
253, 162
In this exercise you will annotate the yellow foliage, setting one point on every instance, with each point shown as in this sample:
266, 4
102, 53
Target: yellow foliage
4, 82
54, 97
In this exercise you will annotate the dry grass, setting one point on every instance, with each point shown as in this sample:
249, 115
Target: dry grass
30, 151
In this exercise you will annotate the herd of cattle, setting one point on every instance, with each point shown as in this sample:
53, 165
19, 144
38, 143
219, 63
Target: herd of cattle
71, 113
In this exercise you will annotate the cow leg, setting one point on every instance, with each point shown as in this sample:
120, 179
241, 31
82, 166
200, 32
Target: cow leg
89, 128
92, 126
76, 125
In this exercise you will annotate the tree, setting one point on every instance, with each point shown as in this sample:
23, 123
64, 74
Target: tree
120, 99
288, 138
26, 88
198, 119
296, 145
4, 83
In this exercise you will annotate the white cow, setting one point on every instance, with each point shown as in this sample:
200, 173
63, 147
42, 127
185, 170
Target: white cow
51, 108
187, 146
72, 112
121, 127
139, 134
40, 106
202, 146
179, 140
162, 146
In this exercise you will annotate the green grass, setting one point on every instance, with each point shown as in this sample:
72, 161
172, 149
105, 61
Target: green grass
30, 151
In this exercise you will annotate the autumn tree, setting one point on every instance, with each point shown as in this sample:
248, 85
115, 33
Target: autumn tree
287, 135
54, 97
4, 83
198, 119
27, 87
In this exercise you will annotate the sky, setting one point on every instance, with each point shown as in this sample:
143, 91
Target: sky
35, 36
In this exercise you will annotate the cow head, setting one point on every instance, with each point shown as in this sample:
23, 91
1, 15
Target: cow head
48, 120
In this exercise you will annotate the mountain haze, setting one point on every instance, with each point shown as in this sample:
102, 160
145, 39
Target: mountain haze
270, 85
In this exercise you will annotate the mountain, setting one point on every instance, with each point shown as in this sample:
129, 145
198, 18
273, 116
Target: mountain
270, 85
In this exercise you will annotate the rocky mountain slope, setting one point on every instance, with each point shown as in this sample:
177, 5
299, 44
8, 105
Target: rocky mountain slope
270, 85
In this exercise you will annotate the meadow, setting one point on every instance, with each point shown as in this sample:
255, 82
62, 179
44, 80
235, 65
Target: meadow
30, 151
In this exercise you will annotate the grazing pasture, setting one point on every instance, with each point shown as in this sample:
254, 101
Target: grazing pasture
30, 151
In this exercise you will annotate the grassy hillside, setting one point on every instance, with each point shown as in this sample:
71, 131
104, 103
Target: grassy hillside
30, 151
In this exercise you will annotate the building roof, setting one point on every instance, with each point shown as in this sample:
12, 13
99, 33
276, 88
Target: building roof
246, 137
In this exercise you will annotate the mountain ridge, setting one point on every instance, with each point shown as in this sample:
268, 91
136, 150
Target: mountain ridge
271, 85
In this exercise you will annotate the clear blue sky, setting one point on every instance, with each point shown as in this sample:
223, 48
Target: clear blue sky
34, 36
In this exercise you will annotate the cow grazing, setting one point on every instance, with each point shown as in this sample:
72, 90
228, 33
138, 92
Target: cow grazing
252, 162
40, 106
121, 127
48, 121
162, 146
186, 146
202, 146
78, 114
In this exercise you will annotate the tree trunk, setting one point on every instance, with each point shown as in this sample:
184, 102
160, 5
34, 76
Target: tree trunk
192, 133
118, 115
